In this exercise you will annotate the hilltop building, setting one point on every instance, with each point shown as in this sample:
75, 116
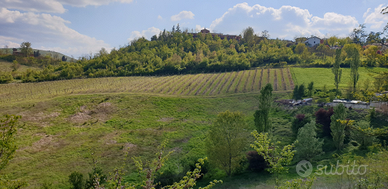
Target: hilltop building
313, 41
220, 35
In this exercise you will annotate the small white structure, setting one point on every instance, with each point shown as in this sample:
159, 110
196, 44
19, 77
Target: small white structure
312, 41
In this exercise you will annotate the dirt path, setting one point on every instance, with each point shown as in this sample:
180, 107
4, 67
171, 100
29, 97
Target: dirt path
204, 83
231, 83
275, 80
210, 85
246, 82
290, 78
283, 80
239, 81
261, 78
218, 84
190, 83
268, 74
223, 85
254, 79
199, 82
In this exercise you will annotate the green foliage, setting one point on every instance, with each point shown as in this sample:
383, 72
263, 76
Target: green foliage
276, 157
95, 175
299, 121
262, 120
353, 55
308, 145
227, 141
310, 89
8, 129
26, 49
362, 134
298, 183
337, 71
76, 180
299, 92
337, 127
5, 77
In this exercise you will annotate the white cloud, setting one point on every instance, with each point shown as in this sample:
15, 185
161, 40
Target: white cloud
160, 17
375, 18
145, 33
47, 31
34, 5
53, 6
198, 28
182, 15
285, 22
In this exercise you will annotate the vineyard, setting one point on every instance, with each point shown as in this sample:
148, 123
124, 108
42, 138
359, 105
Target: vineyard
205, 84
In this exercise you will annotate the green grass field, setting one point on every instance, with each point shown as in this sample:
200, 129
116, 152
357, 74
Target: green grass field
6, 67
324, 76
64, 121
57, 135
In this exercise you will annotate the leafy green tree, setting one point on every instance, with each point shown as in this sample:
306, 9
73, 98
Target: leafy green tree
26, 49
96, 174
310, 88
295, 93
338, 128
276, 156
227, 141
308, 145
301, 91
355, 63
262, 120
299, 121
300, 48
76, 180
8, 130
332, 41
363, 134
248, 35
337, 71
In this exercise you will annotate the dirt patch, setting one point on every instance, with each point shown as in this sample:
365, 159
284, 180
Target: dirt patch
166, 119
129, 146
80, 117
37, 117
100, 112
40, 118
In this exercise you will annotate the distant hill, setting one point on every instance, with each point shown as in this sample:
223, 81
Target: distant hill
53, 54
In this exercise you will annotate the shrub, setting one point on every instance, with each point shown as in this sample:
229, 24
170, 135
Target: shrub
308, 145
299, 121
76, 180
256, 162
322, 117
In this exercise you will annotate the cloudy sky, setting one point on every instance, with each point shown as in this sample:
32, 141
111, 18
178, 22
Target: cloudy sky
77, 27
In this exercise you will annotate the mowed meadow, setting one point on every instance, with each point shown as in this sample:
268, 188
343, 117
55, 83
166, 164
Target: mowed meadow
205, 84
324, 76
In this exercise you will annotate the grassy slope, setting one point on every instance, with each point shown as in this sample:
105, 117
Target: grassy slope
58, 134
324, 76
6, 67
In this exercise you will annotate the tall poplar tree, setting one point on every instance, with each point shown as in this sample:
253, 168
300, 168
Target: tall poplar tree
261, 115
337, 71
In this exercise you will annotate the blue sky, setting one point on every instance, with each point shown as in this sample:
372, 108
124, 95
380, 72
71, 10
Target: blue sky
78, 27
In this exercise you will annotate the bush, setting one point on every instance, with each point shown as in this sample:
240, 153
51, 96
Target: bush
5, 77
76, 180
256, 162
322, 117
299, 121
308, 146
